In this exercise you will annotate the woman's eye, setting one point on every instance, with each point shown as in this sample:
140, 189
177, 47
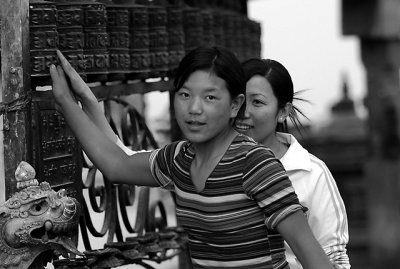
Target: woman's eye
210, 97
257, 102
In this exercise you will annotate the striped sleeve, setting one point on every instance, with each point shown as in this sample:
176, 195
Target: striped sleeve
266, 182
161, 161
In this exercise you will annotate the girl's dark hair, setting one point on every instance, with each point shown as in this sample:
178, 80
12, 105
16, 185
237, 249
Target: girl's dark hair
282, 86
218, 61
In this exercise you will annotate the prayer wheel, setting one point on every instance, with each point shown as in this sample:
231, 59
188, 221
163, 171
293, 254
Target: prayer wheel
158, 41
193, 28
139, 42
70, 32
176, 36
118, 41
97, 59
43, 40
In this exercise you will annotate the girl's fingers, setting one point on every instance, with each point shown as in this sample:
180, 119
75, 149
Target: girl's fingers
60, 72
53, 72
66, 65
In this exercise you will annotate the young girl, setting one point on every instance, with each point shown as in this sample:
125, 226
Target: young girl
233, 197
269, 103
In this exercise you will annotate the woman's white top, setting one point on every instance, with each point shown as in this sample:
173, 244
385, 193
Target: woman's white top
317, 190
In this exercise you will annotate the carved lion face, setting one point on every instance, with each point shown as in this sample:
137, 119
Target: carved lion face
34, 220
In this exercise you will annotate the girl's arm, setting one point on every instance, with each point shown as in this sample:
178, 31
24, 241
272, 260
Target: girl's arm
296, 232
88, 100
102, 151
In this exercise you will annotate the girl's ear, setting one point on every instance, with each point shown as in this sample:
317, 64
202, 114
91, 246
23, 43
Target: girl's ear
237, 103
285, 112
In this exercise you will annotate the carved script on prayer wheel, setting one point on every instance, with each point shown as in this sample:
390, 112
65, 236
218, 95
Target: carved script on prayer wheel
158, 41
96, 39
139, 42
57, 154
193, 28
43, 39
118, 42
70, 31
176, 36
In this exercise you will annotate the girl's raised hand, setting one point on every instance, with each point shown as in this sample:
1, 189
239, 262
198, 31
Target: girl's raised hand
79, 87
61, 91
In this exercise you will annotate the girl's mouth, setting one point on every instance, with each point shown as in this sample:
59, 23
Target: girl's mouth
195, 123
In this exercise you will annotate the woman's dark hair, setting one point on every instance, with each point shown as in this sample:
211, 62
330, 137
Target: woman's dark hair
219, 61
282, 86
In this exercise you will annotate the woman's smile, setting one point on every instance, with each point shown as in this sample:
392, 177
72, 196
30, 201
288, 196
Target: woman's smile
242, 127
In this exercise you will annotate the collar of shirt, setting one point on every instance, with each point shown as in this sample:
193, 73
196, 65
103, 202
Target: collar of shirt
296, 157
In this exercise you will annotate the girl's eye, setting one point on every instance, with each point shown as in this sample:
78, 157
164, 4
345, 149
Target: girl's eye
210, 97
183, 94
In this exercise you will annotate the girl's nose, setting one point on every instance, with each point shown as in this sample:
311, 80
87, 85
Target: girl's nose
195, 106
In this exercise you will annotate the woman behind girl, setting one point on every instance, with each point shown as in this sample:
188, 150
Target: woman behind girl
233, 197
269, 103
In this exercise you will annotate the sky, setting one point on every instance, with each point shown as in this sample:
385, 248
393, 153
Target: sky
306, 37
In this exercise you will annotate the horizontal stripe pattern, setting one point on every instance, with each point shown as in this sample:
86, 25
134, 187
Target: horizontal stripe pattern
232, 222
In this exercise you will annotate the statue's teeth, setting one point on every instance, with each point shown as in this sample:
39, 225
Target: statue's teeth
56, 228
48, 225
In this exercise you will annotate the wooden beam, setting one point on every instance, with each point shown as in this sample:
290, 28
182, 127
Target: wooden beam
15, 87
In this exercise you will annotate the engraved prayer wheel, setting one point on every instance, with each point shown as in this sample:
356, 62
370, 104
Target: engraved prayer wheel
176, 36
43, 40
118, 41
218, 32
240, 36
57, 154
255, 35
70, 33
236, 32
246, 39
193, 28
96, 39
139, 42
208, 22
158, 41
228, 25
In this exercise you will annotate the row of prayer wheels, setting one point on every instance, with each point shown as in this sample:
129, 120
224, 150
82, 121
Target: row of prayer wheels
126, 40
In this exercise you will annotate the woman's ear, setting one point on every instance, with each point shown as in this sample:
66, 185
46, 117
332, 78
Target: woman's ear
285, 112
237, 103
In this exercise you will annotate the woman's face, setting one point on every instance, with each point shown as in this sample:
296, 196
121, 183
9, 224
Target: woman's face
261, 116
203, 107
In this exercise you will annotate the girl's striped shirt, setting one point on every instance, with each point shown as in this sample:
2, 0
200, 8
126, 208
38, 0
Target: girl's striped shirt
232, 222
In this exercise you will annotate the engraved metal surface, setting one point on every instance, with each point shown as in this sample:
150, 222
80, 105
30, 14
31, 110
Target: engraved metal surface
57, 154
43, 39
97, 58
158, 41
71, 36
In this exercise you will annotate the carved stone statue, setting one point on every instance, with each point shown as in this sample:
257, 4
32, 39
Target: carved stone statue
34, 220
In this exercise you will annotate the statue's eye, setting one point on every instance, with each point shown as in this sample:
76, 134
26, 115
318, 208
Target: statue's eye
39, 208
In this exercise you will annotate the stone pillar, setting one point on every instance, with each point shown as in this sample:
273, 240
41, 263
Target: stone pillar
15, 88
377, 23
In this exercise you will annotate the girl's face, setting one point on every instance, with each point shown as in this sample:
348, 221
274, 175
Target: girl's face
203, 107
262, 113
